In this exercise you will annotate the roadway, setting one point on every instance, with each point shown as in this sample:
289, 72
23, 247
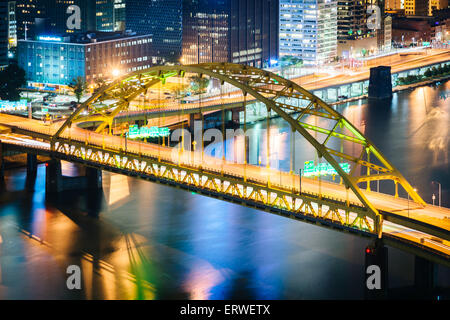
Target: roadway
170, 107
428, 214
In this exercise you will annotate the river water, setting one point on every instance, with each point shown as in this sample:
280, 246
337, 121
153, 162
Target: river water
140, 240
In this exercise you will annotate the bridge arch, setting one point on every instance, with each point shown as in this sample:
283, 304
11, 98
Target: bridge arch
268, 88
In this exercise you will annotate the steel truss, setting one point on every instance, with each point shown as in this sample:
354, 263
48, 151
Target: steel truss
290, 101
272, 198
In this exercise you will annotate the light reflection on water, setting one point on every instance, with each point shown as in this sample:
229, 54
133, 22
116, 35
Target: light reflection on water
139, 240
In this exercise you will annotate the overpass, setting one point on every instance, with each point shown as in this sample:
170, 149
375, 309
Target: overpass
346, 206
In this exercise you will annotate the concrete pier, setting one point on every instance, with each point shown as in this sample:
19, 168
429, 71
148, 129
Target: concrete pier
31, 164
56, 182
423, 274
380, 83
376, 270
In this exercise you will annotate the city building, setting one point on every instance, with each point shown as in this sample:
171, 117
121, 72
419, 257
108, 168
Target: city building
105, 15
27, 11
163, 19
4, 45
74, 16
352, 20
437, 5
422, 30
12, 25
119, 15
308, 30
416, 7
55, 61
394, 5
230, 31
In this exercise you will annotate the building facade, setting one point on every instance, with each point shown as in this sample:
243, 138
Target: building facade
162, 18
119, 15
53, 60
308, 30
27, 11
105, 15
352, 19
230, 31
437, 5
416, 7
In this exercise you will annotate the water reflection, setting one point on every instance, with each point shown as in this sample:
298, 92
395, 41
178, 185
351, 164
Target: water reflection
140, 240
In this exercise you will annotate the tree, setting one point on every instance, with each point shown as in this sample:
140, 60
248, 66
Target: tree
199, 84
290, 61
78, 87
98, 84
12, 78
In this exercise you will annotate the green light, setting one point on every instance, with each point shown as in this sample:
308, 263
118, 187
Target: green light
323, 169
134, 132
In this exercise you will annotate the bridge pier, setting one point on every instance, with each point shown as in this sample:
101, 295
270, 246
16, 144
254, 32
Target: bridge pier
55, 182
31, 165
2, 164
380, 83
423, 274
376, 270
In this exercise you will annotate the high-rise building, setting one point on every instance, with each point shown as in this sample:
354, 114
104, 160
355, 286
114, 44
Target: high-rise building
105, 15
230, 31
437, 5
416, 7
162, 19
119, 15
12, 24
308, 30
3, 34
352, 19
27, 11
394, 4
68, 17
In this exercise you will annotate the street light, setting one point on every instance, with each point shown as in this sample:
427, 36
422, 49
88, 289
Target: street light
439, 192
116, 73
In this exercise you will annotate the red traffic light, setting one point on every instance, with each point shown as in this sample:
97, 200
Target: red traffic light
368, 250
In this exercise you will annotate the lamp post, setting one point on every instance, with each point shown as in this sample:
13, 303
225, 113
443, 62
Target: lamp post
300, 176
439, 192
415, 190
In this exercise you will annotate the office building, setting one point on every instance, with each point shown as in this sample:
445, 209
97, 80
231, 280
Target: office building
105, 15
27, 11
162, 18
437, 5
308, 30
119, 15
230, 31
416, 7
55, 60
352, 20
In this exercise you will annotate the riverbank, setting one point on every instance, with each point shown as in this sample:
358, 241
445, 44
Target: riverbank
398, 89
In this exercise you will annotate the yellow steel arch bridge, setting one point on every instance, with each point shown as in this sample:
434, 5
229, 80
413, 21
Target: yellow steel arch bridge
345, 206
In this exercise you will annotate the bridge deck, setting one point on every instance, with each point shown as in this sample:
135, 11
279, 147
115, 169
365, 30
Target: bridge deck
393, 207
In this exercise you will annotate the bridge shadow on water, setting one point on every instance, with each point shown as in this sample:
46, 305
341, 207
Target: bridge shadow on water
150, 266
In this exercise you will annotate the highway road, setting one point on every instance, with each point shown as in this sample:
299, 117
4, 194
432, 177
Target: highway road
430, 214
172, 107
